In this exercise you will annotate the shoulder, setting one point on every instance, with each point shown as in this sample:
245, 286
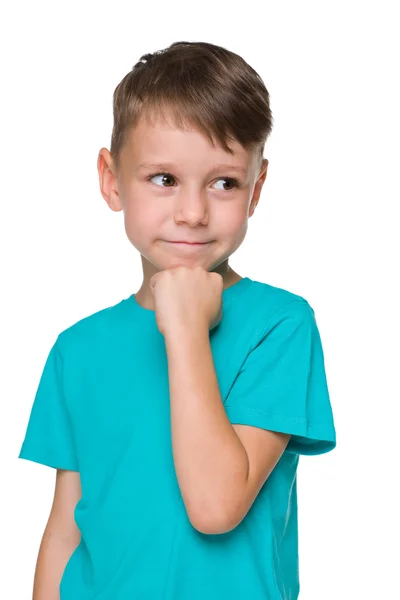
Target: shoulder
90, 331
271, 304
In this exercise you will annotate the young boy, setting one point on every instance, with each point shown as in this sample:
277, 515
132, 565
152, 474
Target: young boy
176, 418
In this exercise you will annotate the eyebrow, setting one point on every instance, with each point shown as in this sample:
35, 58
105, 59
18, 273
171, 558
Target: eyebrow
170, 166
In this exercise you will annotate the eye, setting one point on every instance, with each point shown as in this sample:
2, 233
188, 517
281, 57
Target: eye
233, 182
168, 177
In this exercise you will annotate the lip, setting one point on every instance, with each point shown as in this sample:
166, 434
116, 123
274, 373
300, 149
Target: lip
189, 243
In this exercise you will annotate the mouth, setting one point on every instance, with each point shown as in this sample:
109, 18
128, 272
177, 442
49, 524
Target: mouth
188, 246
183, 243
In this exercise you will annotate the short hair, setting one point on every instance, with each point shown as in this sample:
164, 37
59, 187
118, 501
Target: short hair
200, 84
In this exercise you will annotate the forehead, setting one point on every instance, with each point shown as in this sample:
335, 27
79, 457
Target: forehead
158, 139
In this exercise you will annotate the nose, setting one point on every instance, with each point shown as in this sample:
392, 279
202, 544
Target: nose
192, 209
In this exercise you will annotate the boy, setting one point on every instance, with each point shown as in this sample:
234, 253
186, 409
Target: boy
175, 419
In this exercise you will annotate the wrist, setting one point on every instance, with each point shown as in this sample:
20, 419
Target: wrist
187, 333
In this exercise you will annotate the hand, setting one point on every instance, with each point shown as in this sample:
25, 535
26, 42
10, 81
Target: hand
187, 297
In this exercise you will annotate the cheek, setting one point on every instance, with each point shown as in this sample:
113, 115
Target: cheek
232, 226
142, 218
136, 223
233, 222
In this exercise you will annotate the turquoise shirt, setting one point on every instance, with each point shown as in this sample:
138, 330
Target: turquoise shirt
102, 408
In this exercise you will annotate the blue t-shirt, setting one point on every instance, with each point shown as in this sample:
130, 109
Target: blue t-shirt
102, 408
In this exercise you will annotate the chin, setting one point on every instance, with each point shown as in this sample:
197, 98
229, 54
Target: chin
174, 262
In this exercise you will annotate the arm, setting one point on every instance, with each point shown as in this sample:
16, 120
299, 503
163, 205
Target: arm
60, 538
220, 467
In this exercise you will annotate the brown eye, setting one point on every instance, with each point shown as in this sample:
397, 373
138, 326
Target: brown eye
166, 177
231, 182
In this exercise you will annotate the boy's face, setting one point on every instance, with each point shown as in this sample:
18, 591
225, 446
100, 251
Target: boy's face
194, 201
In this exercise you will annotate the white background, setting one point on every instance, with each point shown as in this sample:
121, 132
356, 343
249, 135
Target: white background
325, 228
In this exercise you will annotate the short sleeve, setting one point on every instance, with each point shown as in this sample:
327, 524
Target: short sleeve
48, 438
282, 384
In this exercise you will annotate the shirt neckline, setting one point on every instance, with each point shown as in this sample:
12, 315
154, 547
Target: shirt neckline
228, 294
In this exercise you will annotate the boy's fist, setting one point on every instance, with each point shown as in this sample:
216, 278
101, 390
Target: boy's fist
187, 298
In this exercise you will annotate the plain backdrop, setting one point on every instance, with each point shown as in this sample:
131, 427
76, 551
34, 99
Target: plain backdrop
326, 228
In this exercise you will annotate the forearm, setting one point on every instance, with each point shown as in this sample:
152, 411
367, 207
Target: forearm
210, 461
54, 553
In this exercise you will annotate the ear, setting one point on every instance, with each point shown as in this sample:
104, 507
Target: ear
108, 180
258, 186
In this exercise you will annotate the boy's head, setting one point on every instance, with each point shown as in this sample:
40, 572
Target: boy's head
190, 107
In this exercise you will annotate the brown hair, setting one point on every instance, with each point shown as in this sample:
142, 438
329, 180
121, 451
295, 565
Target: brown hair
198, 83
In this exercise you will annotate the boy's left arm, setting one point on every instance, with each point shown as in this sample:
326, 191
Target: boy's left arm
220, 467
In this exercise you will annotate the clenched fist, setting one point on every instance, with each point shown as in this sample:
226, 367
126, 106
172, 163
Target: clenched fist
187, 298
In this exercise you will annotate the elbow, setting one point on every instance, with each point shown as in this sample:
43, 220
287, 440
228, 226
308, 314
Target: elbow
214, 522
218, 512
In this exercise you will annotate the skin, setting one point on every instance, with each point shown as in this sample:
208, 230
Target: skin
195, 205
